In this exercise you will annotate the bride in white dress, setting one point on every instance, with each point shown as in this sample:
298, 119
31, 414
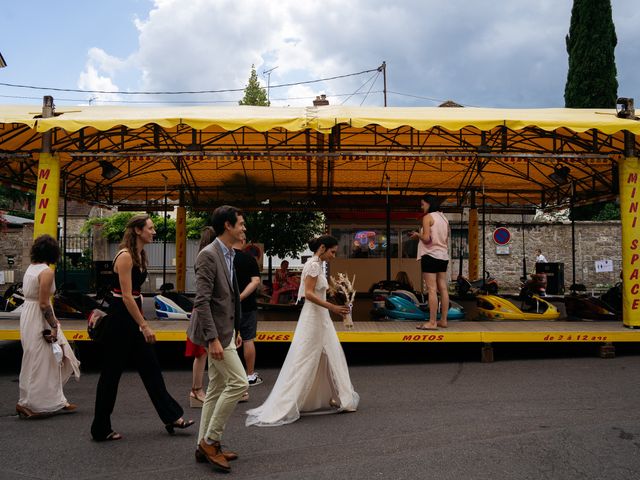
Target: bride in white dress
314, 378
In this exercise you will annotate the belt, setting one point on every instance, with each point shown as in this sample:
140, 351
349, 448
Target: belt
116, 292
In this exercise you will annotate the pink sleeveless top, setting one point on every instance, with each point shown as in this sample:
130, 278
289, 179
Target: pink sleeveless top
438, 246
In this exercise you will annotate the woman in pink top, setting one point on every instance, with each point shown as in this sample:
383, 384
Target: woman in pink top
433, 252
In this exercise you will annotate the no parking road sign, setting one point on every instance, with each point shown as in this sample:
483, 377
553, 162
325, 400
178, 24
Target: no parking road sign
501, 235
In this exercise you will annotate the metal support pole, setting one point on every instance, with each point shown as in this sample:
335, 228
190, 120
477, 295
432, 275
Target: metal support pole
474, 257
573, 233
460, 245
47, 112
629, 144
484, 253
64, 229
388, 231
164, 251
524, 254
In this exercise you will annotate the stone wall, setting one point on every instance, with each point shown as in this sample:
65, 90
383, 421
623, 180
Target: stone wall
17, 243
593, 240
74, 225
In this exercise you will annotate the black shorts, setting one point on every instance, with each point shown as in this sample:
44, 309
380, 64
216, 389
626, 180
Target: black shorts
248, 325
428, 264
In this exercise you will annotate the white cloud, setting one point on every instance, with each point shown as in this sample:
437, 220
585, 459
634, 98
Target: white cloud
90, 79
480, 52
105, 62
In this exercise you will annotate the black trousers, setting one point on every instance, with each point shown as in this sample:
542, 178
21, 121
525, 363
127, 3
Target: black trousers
124, 342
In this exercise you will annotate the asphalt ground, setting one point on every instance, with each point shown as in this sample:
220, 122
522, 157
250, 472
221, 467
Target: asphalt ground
424, 413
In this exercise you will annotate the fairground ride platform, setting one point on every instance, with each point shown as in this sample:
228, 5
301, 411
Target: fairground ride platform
395, 331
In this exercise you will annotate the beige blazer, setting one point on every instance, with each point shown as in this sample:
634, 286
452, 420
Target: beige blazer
216, 309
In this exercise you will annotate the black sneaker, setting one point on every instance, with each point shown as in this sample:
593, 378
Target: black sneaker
254, 380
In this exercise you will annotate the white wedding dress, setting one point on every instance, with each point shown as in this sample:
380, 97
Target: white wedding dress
314, 378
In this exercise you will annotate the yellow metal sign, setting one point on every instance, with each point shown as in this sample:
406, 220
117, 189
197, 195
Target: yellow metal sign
47, 196
267, 336
75, 330
629, 197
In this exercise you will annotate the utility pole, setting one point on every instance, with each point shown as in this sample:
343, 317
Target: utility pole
383, 68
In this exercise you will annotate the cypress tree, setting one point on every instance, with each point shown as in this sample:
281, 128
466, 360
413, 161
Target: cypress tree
591, 80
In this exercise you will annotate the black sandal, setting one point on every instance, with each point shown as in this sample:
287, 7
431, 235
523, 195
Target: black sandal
111, 437
181, 423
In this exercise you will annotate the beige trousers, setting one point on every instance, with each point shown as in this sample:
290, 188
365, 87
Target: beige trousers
227, 383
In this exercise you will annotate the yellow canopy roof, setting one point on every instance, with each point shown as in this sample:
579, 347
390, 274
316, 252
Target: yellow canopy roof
321, 119
329, 154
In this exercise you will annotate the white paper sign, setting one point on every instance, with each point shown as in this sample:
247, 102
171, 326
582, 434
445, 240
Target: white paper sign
502, 249
604, 266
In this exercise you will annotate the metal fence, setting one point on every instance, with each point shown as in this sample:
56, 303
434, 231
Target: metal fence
76, 269
77, 251
156, 258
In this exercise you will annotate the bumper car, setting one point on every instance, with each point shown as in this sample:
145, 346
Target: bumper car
404, 305
171, 305
532, 307
581, 306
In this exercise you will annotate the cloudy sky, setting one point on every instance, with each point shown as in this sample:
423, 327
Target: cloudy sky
485, 53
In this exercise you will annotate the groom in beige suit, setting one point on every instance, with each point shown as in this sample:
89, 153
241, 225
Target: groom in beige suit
214, 325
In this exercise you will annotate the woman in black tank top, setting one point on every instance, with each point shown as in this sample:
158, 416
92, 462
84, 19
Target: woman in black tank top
129, 335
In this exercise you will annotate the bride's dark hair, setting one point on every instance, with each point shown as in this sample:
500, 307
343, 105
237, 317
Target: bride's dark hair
327, 240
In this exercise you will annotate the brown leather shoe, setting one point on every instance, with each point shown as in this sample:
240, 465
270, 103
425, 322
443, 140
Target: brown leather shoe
214, 455
228, 454
200, 456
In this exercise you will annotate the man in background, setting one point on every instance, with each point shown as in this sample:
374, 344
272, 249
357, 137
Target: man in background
540, 258
248, 274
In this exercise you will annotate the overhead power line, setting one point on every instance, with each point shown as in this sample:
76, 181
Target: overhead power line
370, 79
192, 92
181, 102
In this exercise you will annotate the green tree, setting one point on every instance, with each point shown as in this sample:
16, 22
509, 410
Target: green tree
284, 234
597, 212
14, 200
254, 94
113, 226
591, 79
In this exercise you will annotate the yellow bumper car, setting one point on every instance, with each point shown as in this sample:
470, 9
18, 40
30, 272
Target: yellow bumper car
532, 307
